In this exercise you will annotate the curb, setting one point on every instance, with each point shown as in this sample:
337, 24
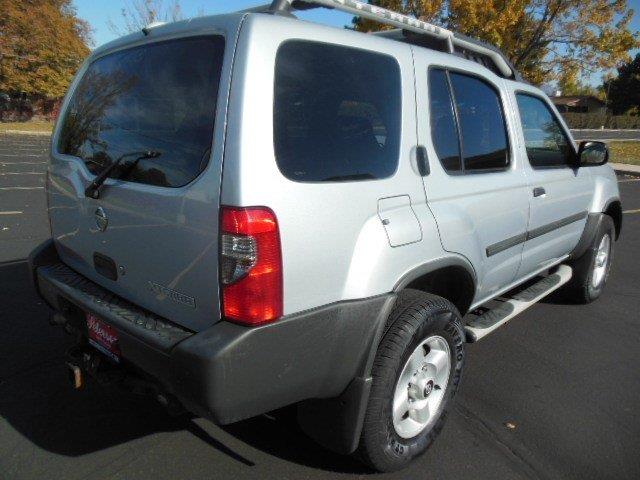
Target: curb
605, 129
626, 169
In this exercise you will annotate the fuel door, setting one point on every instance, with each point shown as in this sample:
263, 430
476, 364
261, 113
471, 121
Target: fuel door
399, 220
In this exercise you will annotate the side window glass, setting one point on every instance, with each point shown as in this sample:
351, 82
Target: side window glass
482, 124
337, 113
444, 131
545, 141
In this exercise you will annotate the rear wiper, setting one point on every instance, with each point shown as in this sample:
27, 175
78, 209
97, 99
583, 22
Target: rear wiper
93, 190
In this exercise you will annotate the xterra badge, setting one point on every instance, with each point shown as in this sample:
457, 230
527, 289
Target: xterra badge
172, 295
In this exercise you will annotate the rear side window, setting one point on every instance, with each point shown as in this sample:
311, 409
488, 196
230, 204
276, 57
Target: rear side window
546, 143
444, 130
337, 113
482, 124
159, 97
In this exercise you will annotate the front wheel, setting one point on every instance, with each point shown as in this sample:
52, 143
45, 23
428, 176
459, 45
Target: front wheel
416, 373
591, 270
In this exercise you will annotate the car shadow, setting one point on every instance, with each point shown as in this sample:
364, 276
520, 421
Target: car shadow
278, 434
37, 401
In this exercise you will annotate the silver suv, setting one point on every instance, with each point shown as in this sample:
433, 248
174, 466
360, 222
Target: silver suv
250, 211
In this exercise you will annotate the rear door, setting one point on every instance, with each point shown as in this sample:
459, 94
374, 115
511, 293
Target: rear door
152, 235
476, 190
559, 193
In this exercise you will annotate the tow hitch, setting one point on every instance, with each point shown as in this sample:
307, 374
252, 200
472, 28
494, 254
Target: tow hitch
84, 361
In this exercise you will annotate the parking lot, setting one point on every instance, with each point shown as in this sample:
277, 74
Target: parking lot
551, 395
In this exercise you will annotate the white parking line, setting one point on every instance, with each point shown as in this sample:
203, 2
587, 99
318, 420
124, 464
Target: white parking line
629, 180
17, 212
23, 145
637, 210
21, 155
21, 188
23, 163
23, 173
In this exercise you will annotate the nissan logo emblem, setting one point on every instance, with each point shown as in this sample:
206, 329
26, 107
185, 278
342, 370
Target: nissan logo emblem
101, 219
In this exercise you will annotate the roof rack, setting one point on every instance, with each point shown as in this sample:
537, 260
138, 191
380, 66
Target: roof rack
436, 37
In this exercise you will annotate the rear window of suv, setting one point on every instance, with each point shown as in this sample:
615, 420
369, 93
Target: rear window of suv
336, 113
159, 97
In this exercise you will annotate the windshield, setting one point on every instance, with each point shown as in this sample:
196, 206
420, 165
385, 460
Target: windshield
157, 97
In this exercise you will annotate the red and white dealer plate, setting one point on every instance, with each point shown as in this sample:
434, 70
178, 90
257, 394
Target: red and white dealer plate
103, 337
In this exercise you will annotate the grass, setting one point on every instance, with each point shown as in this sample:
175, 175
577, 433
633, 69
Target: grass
35, 126
625, 152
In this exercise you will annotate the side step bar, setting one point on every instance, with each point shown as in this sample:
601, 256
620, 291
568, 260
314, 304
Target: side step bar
482, 325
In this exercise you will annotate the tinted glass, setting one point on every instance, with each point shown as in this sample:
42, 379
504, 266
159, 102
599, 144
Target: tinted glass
443, 123
336, 114
546, 143
482, 125
159, 97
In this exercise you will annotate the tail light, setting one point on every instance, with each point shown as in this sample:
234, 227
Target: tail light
250, 265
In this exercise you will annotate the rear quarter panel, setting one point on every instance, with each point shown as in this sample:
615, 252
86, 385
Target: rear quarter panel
333, 242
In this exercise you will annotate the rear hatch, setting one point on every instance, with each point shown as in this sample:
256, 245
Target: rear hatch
151, 236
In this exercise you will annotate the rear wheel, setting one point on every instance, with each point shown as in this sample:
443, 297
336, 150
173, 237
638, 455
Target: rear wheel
416, 373
591, 271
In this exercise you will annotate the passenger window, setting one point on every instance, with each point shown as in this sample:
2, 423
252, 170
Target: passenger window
444, 131
482, 125
337, 113
546, 143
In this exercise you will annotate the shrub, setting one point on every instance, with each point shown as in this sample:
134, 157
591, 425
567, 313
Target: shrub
599, 120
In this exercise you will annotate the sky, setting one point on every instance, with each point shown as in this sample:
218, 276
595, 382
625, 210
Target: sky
99, 12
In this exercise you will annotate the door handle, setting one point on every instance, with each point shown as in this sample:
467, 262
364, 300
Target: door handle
539, 191
423, 161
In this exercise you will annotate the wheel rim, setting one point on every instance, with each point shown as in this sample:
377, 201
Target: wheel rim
421, 387
601, 261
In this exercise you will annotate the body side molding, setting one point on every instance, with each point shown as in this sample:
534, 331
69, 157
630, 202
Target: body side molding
510, 242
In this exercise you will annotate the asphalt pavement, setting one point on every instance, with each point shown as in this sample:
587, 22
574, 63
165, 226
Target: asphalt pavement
551, 395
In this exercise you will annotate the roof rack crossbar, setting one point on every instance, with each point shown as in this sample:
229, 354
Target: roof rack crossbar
394, 19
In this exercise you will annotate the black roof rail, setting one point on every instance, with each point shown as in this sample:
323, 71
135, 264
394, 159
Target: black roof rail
409, 29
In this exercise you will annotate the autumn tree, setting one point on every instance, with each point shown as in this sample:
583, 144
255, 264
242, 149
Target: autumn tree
42, 44
542, 38
137, 14
569, 83
623, 91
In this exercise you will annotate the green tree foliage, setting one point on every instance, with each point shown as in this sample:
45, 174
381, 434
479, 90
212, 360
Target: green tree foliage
624, 90
542, 38
42, 44
569, 83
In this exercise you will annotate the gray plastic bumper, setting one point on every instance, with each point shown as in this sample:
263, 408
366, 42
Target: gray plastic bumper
231, 372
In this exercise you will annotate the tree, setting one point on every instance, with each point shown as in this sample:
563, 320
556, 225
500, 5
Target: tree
542, 38
569, 83
624, 90
42, 44
137, 14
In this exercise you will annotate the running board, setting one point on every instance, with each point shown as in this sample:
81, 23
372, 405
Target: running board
482, 325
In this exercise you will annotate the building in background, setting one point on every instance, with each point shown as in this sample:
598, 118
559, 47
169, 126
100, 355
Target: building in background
579, 104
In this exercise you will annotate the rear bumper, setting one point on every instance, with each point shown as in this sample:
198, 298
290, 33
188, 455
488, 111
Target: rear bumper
228, 372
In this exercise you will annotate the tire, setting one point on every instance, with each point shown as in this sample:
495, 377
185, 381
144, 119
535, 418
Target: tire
420, 327
589, 275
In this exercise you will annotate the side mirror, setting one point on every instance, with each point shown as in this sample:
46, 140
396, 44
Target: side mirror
592, 154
